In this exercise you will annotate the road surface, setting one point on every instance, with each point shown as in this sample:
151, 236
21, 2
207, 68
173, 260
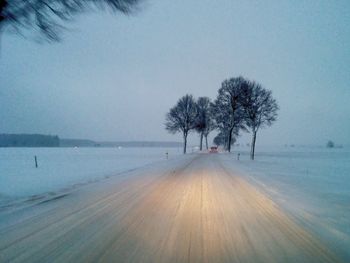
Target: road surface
188, 210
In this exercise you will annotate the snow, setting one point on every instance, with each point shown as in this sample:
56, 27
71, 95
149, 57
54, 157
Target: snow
63, 167
312, 184
312, 170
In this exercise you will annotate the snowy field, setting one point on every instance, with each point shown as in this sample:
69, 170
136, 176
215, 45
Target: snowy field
64, 167
313, 184
319, 173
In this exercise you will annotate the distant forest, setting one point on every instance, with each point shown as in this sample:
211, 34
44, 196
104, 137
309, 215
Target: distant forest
90, 143
29, 140
40, 140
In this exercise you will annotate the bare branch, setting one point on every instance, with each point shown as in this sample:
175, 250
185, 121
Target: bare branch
47, 16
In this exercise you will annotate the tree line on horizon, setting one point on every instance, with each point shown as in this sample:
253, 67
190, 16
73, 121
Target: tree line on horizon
29, 140
240, 105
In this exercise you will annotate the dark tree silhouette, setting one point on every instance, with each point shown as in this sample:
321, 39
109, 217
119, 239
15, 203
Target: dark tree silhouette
29, 140
330, 144
221, 139
46, 16
182, 117
260, 109
203, 123
210, 126
227, 111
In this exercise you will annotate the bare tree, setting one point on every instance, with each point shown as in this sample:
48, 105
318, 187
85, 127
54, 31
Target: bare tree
221, 139
330, 144
227, 110
210, 126
204, 123
260, 109
182, 117
46, 16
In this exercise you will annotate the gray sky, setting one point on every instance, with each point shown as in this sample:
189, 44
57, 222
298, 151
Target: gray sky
115, 77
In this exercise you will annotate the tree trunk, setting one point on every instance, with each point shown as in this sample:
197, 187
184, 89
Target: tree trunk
185, 142
229, 141
252, 148
206, 141
201, 142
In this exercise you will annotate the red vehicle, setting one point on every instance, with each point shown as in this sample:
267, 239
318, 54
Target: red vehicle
213, 149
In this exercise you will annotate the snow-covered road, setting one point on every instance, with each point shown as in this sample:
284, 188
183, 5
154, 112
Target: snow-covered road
189, 209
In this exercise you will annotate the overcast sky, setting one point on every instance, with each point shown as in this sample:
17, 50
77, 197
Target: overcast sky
115, 77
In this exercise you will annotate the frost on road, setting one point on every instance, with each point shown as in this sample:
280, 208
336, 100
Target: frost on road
190, 209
